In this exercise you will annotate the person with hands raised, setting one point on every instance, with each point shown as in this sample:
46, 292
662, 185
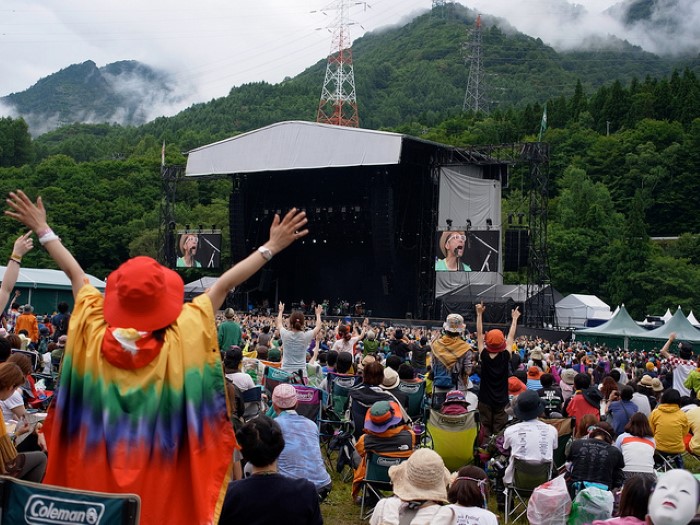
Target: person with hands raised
142, 403
296, 341
493, 393
22, 246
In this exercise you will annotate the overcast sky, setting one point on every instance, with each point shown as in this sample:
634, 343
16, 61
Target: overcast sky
212, 45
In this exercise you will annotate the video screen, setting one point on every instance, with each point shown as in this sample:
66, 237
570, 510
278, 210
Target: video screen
198, 250
467, 251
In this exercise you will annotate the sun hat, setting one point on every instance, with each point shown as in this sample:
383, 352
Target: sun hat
371, 335
365, 361
529, 405
649, 366
391, 379
536, 353
284, 396
455, 397
144, 295
568, 375
383, 415
229, 313
657, 385
62, 340
495, 341
534, 372
515, 386
454, 323
422, 477
646, 381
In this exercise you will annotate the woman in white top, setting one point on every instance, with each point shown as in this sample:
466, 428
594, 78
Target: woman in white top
296, 341
468, 494
637, 446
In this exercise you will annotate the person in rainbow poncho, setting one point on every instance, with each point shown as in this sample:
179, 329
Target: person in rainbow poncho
141, 406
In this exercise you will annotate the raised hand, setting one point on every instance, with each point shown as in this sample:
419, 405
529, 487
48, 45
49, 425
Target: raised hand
25, 211
480, 308
23, 244
285, 231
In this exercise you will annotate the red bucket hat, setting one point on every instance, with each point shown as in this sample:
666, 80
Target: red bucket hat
495, 341
143, 295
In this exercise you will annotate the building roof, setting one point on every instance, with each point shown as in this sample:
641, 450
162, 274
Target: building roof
48, 279
293, 145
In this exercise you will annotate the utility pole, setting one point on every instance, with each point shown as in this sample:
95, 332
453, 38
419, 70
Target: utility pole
338, 104
475, 96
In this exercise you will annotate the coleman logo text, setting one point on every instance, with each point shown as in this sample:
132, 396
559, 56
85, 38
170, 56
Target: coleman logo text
49, 510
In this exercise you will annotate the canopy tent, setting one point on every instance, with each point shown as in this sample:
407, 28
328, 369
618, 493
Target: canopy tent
679, 325
200, 285
667, 316
692, 320
580, 310
620, 328
44, 289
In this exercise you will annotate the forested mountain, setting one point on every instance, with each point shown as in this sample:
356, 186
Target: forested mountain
624, 136
126, 92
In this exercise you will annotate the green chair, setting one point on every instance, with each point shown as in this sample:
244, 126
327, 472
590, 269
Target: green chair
527, 476
453, 437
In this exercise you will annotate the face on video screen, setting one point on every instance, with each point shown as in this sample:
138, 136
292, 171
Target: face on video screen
467, 251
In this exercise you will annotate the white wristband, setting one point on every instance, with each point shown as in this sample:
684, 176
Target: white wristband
48, 237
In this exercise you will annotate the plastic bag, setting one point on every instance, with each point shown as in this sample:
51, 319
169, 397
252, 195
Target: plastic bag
591, 504
549, 503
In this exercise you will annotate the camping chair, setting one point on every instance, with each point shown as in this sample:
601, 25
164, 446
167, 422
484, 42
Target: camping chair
310, 402
342, 443
453, 437
526, 477
23, 502
32, 356
275, 376
665, 461
33, 397
416, 398
565, 429
252, 399
338, 387
376, 480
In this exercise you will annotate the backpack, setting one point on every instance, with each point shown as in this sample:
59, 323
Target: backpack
43, 345
444, 378
62, 328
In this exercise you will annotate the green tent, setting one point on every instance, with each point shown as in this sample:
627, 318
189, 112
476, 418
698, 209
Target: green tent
618, 331
44, 289
679, 325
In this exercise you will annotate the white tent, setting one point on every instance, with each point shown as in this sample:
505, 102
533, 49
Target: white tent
578, 310
667, 316
692, 320
200, 285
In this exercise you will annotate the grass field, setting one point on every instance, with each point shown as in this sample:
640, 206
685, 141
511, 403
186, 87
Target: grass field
339, 509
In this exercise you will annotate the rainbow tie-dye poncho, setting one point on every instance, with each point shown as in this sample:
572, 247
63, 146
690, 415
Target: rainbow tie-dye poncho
160, 431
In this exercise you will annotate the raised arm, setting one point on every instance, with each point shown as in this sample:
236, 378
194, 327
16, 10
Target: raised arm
664, 350
280, 318
33, 216
480, 308
22, 245
515, 314
283, 232
317, 328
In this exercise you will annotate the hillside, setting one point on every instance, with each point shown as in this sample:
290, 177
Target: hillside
126, 92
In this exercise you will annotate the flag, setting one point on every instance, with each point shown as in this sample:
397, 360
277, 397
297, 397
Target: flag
162, 156
543, 124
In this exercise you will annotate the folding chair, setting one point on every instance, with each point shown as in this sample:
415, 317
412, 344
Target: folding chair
526, 477
310, 402
338, 388
665, 461
453, 437
252, 398
416, 398
32, 356
565, 429
26, 503
275, 376
376, 481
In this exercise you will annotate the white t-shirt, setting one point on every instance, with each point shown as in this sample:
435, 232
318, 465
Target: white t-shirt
341, 345
642, 402
637, 452
530, 440
459, 515
14, 401
242, 380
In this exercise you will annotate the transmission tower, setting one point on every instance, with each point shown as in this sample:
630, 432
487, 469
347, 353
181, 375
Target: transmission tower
338, 104
475, 96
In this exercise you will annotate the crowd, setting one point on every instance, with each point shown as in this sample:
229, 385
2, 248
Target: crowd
149, 389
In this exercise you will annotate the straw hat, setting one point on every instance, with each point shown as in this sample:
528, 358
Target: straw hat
536, 353
657, 385
568, 376
646, 381
422, 477
454, 323
391, 379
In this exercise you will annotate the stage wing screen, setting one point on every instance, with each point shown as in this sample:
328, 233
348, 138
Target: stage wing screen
198, 250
